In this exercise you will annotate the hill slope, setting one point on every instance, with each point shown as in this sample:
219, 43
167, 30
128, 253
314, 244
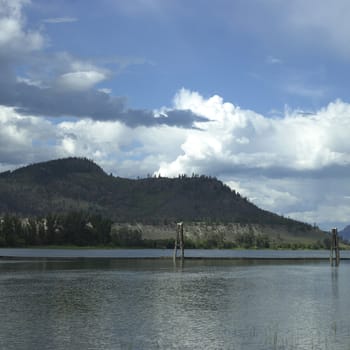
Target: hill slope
345, 233
64, 185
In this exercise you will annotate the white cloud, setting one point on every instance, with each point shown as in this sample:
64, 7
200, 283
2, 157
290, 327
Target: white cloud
314, 200
270, 194
61, 69
268, 158
24, 139
14, 38
243, 139
80, 80
297, 165
28, 81
59, 84
118, 148
338, 215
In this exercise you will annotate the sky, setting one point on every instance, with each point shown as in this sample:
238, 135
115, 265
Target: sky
252, 92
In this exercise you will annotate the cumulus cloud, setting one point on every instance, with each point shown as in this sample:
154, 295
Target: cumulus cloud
117, 147
24, 139
239, 140
60, 85
269, 158
296, 165
14, 38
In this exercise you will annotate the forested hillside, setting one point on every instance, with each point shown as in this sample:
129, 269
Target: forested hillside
73, 201
64, 185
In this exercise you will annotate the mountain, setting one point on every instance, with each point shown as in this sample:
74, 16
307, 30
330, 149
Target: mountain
77, 184
345, 233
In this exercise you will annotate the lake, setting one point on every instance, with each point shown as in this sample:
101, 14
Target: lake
167, 253
106, 303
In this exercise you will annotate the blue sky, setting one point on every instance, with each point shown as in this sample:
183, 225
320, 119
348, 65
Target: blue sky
250, 53
253, 92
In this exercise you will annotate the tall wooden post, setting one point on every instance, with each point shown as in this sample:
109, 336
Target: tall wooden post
179, 240
176, 243
334, 247
337, 253
182, 242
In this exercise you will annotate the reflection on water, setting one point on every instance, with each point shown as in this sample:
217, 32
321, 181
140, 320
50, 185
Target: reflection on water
146, 304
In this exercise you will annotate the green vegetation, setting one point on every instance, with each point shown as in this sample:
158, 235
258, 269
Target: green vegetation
85, 201
75, 228
75, 184
79, 229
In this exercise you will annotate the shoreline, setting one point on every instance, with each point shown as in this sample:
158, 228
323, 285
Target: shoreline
12, 257
166, 254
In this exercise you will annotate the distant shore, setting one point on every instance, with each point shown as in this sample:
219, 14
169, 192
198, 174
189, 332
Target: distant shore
190, 254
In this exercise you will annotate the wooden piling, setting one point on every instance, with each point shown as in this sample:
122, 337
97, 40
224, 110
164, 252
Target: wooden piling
176, 244
334, 248
179, 241
182, 242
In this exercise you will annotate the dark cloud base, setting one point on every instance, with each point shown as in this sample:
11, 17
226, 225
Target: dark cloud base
54, 102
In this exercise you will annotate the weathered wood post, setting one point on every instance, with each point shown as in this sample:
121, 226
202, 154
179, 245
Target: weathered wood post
176, 243
337, 251
182, 242
179, 240
334, 247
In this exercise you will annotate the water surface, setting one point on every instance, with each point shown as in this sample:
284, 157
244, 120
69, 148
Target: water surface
166, 253
154, 304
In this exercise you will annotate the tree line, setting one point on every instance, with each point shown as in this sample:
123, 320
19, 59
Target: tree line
74, 228
83, 229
